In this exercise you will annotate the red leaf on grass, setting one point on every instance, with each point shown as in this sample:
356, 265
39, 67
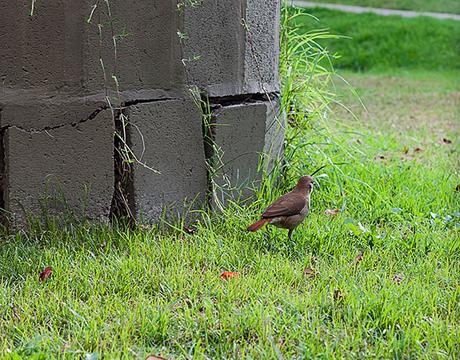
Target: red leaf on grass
229, 274
45, 274
332, 212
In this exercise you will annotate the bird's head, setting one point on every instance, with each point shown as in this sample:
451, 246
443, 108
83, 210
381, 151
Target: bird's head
305, 183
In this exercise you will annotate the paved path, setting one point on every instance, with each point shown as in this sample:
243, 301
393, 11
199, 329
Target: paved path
362, 9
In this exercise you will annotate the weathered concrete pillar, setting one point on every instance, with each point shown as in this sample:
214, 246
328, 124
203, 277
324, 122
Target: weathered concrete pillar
232, 55
232, 46
77, 70
247, 136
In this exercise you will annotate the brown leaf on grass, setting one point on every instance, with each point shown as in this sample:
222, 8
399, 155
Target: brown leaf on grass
310, 273
398, 278
189, 230
332, 212
358, 258
418, 149
45, 274
446, 141
229, 274
155, 357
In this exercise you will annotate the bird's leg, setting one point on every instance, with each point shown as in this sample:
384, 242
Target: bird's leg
290, 234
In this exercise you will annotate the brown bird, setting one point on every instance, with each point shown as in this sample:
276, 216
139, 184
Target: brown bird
289, 210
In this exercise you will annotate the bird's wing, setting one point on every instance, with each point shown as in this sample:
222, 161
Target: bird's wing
287, 205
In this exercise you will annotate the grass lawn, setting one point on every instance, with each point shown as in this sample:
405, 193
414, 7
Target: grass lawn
447, 6
387, 42
381, 279
120, 293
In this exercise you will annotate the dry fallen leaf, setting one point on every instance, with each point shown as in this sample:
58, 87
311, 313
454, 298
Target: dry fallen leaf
45, 274
446, 141
398, 278
189, 230
332, 212
310, 273
358, 258
229, 274
155, 357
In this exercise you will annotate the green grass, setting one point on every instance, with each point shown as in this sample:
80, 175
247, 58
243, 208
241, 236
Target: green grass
386, 42
447, 6
121, 293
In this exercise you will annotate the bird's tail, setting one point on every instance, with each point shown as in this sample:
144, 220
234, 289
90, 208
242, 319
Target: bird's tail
257, 225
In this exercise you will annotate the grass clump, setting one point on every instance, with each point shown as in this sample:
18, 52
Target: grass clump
387, 42
446, 6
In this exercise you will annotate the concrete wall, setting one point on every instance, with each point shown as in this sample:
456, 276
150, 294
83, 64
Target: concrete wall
65, 89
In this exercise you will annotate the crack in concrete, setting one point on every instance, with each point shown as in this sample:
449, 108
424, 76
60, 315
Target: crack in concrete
240, 99
91, 116
146, 101
48, 128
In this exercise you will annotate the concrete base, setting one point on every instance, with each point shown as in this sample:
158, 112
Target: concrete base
248, 139
61, 72
239, 53
167, 137
63, 171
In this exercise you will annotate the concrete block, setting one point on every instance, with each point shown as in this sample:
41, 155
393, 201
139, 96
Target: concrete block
66, 169
149, 53
169, 135
33, 110
261, 57
248, 138
216, 36
44, 50
237, 43
274, 135
56, 49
